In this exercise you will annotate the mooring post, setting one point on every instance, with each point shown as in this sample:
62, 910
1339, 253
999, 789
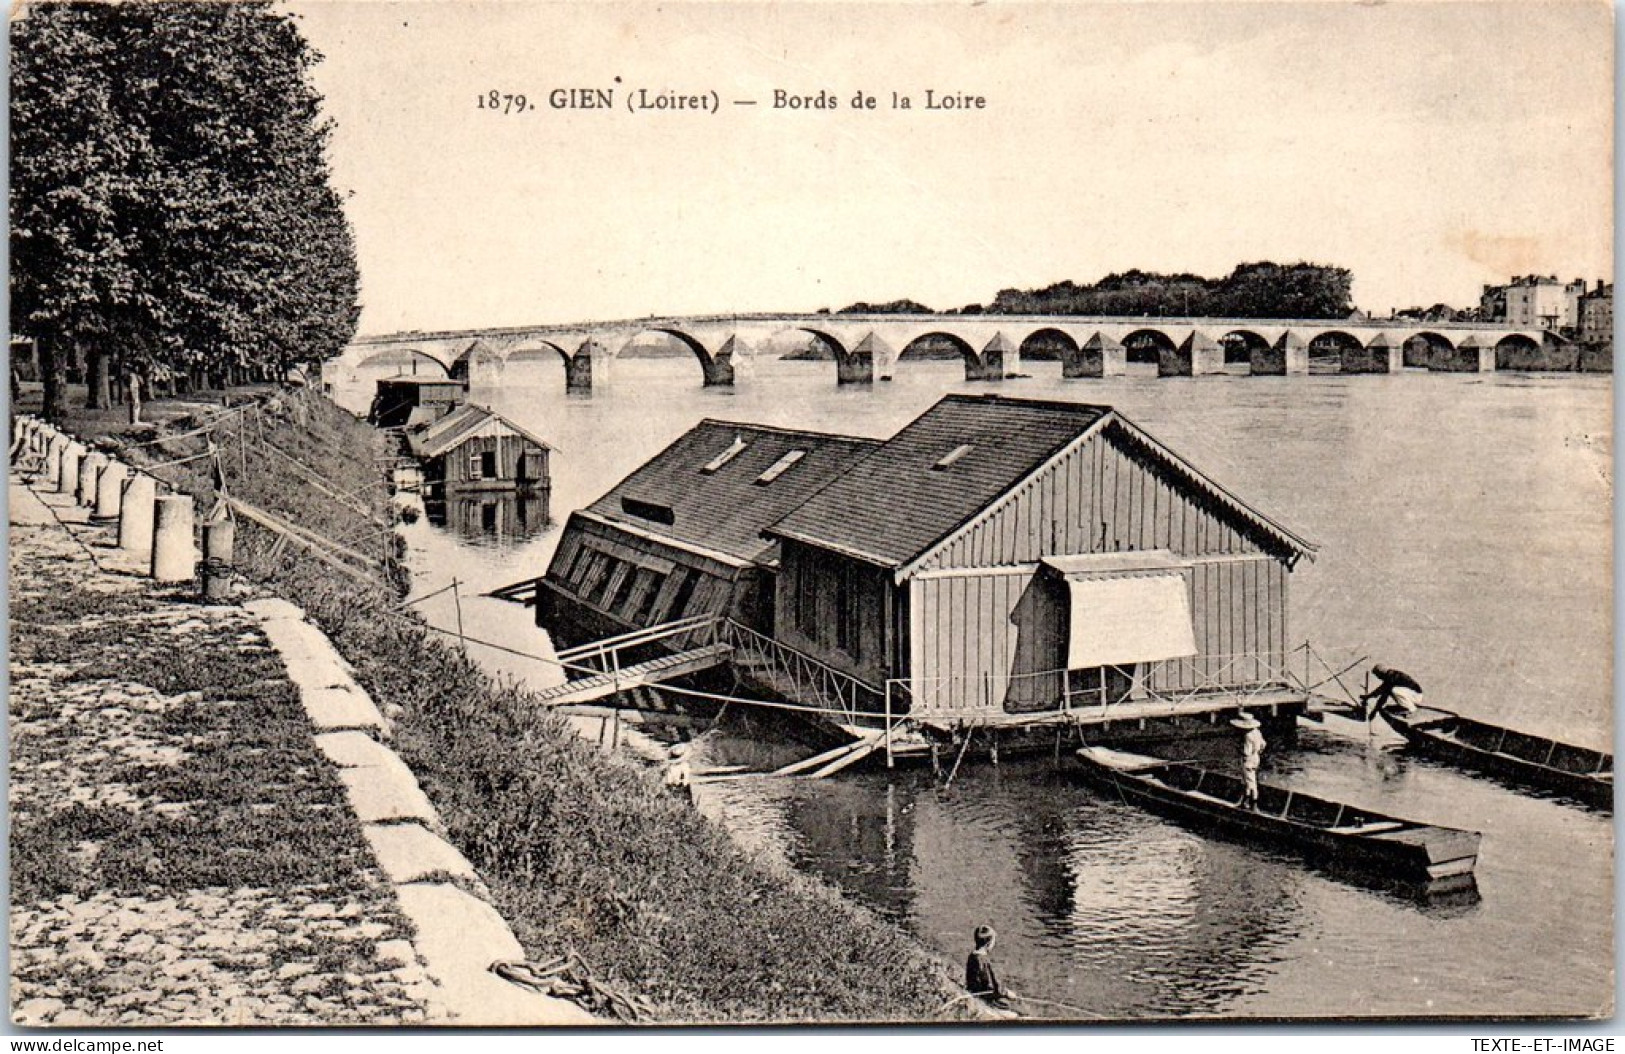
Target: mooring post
457, 601
219, 538
67, 470
89, 468
136, 512
110, 490
173, 557
889, 761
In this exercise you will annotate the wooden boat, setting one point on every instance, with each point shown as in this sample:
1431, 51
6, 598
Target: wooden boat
1582, 774
1399, 851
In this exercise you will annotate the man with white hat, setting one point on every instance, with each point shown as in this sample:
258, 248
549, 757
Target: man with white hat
1252, 755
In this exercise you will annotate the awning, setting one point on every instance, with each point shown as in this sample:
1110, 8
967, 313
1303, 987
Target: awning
1124, 620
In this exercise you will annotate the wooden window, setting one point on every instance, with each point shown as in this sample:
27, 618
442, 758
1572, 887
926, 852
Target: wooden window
623, 592
488, 464
685, 593
646, 604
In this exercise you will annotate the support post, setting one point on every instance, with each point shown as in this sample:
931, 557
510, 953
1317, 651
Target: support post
219, 537
136, 510
457, 602
174, 559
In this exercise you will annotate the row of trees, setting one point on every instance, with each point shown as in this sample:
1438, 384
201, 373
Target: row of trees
1252, 290
172, 211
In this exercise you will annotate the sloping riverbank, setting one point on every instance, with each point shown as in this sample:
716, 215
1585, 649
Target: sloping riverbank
583, 853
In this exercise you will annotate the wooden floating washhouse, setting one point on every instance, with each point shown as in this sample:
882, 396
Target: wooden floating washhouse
473, 448
1002, 563
413, 402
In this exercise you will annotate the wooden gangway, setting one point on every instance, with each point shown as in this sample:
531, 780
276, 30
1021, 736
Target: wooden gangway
696, 644
612, 682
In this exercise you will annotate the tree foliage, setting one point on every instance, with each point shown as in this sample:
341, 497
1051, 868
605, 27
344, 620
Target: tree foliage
172, 206
1252, 290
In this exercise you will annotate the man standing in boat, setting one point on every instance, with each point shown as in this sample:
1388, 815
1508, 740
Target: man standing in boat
1395, 688
1252, 755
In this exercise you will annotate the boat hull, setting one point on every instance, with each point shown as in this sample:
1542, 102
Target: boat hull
1461, 741
1341, 838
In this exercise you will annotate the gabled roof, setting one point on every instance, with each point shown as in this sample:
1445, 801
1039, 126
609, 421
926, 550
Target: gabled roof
679, 495
895, 504
445, 434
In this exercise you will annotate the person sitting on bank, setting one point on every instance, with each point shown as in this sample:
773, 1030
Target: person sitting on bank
1252, 755
1396, 690
980, 978
677, 770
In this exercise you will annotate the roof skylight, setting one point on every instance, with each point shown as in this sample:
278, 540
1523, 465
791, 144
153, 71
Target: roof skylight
953, 455
781, 466
726, 456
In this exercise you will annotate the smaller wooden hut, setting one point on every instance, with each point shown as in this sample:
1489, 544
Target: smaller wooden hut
412, 402
473, 448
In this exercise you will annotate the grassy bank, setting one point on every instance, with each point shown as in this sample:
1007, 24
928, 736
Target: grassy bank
583, 852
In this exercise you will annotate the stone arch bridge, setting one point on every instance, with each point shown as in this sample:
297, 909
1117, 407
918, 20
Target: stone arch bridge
864, 347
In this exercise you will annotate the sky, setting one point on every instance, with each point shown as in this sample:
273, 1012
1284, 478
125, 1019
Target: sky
1428, 147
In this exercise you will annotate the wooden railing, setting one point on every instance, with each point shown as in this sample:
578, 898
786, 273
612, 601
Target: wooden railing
814, 683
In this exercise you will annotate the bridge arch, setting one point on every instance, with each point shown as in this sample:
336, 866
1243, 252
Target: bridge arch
715, 366
1331, 350
1046, 344
1149, 345
1519, 351
939, 343
1426, 349
410, 361
1241, 344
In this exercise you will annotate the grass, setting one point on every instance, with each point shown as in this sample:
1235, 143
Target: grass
582, 851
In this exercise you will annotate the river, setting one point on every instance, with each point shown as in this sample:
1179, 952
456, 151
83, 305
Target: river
1465, 533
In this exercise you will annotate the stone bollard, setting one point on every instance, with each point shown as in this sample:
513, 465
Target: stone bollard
110, 490
173, 557
219, 536
53, 459
67, 476
136, 512
89, 469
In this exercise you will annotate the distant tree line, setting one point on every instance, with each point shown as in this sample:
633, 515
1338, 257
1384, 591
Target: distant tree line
173, 218
1252, 290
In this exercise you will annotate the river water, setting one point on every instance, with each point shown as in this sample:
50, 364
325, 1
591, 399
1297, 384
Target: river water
1465, 531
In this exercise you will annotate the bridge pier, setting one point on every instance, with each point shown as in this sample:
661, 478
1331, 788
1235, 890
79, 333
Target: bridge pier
1099, 356
578, 369
989, 365
1382, 355
1288, 355
1200, 354
719, 368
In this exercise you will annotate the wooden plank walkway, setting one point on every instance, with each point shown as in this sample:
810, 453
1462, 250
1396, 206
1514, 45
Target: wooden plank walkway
664, 668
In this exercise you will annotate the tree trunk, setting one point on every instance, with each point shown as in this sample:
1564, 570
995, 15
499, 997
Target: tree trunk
97, 394
50, 368
135, 398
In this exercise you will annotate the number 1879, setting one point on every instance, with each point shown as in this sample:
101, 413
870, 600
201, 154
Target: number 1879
503, 102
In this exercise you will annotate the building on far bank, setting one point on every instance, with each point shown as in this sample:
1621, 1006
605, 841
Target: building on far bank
1597, 315
1535, 300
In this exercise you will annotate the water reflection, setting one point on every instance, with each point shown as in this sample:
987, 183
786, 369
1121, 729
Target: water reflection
492, 517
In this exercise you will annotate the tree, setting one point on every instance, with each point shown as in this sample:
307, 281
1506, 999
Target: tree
202, 235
